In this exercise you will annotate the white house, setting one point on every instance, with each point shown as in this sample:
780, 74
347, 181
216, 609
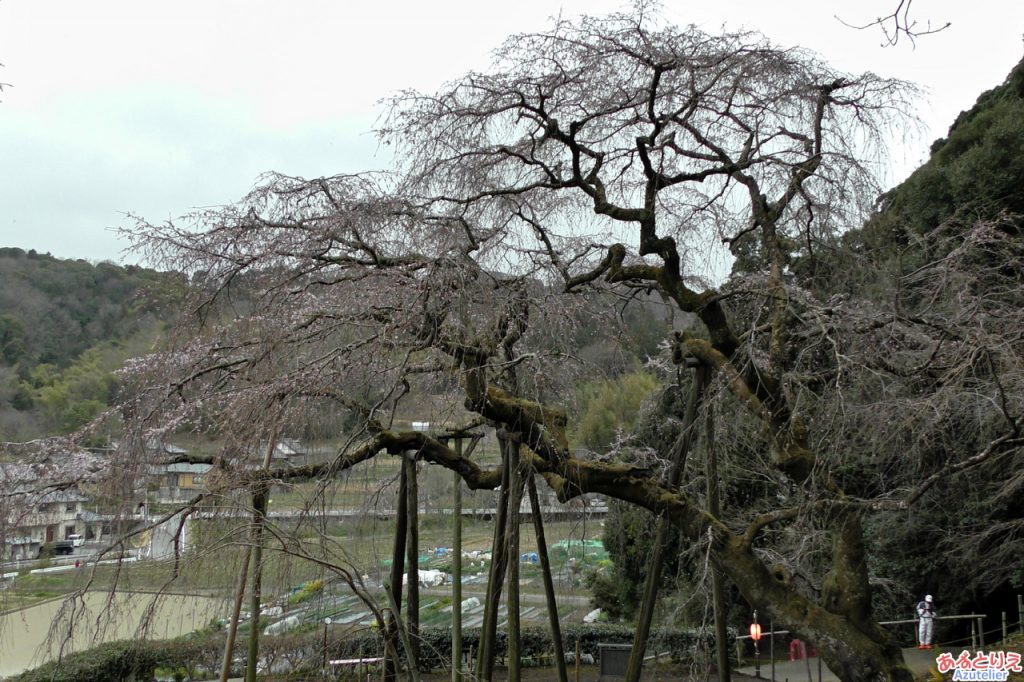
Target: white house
31, 519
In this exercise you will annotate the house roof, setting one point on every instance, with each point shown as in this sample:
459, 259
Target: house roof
37, 496
186, 468
165, 448
283, 449
69, 495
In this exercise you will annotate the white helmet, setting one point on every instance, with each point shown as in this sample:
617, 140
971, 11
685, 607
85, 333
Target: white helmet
928, 598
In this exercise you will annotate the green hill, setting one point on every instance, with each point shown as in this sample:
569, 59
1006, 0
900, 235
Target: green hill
65, 326
976, 171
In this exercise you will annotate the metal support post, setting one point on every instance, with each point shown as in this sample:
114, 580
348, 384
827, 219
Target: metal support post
327, 621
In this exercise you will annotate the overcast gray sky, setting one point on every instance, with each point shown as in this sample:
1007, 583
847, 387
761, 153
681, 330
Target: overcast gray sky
156, 107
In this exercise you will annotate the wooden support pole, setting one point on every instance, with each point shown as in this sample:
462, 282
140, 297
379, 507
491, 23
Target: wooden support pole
717, 587
236, 611
259, 503
403, 634
394, 664
512, 541
260, 498
457, 572
492, 600
412, 604
652, 582
457, 564
549, 584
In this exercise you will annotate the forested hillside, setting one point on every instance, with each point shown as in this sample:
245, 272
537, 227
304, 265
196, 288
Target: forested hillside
943, 249
65, 326
974, 173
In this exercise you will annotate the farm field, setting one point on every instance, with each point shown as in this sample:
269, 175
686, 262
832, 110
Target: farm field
196, 591
361, 546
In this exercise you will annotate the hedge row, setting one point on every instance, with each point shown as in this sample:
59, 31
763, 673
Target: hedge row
129, 660
135, 660
536, 643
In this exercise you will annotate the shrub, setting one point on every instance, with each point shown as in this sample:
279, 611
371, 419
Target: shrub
129, 660
124, 661
306, 591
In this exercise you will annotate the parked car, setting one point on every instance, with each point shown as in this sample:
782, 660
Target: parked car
58, 547
76, 540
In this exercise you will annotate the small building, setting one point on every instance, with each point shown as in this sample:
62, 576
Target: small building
180, 481
33, 519
287, 452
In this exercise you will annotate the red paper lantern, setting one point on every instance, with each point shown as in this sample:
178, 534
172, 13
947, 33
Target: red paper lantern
755, 631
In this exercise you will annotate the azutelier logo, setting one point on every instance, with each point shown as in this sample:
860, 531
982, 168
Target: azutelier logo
994, 666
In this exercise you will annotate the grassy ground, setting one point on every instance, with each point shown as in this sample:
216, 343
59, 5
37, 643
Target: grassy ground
1014, 643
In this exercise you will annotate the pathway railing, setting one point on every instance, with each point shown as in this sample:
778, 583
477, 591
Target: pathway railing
978, 633
977, 627
977, 639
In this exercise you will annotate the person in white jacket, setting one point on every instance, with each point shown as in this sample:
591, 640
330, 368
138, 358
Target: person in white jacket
926, 622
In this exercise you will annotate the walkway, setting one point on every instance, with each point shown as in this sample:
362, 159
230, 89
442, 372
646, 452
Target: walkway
918, 660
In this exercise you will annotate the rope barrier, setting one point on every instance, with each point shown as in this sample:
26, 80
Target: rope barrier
963, 641
999, 629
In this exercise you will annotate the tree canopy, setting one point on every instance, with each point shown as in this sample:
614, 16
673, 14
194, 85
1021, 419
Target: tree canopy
608, 154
